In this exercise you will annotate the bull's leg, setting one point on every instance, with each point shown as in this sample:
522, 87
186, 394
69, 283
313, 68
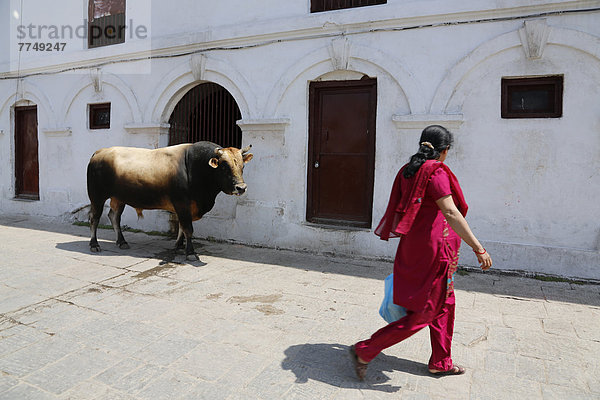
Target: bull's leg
116, 210
96, 209
190, 252
179, 242
185, 225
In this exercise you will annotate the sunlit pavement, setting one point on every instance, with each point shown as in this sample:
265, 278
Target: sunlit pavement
255, 323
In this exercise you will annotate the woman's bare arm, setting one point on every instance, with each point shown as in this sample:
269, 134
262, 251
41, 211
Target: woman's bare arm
459, 224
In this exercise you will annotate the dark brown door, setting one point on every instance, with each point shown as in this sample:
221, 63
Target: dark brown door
341, 152
26, 153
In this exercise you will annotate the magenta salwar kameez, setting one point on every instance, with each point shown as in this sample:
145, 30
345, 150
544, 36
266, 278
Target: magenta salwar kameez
425, 263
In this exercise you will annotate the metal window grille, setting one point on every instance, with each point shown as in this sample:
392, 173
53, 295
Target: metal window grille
328, 5
99, 116
207, 112
106, 24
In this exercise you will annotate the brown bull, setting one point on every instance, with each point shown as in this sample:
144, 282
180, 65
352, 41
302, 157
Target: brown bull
184, 179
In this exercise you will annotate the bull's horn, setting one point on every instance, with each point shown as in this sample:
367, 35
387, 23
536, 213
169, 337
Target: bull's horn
246, 149
219, 151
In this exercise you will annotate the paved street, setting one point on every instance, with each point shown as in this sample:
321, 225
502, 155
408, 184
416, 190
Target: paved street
253, 323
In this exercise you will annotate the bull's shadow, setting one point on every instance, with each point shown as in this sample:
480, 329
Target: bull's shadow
330, 363
146, 246
142, 246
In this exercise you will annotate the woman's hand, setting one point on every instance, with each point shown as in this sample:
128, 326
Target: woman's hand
485, 260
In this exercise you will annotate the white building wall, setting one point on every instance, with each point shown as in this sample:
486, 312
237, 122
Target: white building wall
532, 185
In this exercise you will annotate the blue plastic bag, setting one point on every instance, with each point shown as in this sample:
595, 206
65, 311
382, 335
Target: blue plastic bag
389, 311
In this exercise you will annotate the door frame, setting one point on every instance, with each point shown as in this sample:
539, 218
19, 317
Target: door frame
314, 118
17, 180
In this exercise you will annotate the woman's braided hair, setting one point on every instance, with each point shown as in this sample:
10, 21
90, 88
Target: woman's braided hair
434, 139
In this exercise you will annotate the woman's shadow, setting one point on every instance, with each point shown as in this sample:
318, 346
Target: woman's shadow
331, 364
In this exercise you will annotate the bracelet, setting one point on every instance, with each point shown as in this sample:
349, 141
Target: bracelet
482, 253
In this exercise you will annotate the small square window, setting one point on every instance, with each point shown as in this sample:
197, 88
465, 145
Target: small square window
535, 97
329, 5
100, 116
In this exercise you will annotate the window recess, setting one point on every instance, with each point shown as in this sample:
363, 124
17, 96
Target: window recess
99, 116
532, 97
329, 5
106, 22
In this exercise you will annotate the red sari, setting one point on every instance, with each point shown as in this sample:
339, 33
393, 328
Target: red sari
427, 254
425, 262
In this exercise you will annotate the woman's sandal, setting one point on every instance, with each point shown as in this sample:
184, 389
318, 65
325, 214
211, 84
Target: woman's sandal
359, 367
455, 370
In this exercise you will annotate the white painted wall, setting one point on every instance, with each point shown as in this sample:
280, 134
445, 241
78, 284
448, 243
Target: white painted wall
532, 185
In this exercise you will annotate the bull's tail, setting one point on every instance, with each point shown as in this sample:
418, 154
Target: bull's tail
93, 180
96, 185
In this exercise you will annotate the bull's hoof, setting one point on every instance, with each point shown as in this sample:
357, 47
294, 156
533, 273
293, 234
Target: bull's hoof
192, 257
123, 246
95, 249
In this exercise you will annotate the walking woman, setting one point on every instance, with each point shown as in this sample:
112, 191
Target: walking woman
426, 209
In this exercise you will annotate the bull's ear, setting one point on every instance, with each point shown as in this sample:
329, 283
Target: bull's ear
213, 162
246, 149
247, 157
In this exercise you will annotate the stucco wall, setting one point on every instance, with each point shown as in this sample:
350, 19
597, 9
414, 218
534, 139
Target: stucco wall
532, 185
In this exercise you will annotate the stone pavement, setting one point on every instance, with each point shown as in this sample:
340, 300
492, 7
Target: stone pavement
253, 323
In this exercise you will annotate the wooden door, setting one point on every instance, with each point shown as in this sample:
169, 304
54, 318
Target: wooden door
341, 152
26, 153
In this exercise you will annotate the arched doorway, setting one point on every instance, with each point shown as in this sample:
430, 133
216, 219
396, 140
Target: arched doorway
207, 112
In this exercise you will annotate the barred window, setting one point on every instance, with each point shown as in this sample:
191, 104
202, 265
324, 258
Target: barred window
106, 22
99, 116
329, 5
207, 112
